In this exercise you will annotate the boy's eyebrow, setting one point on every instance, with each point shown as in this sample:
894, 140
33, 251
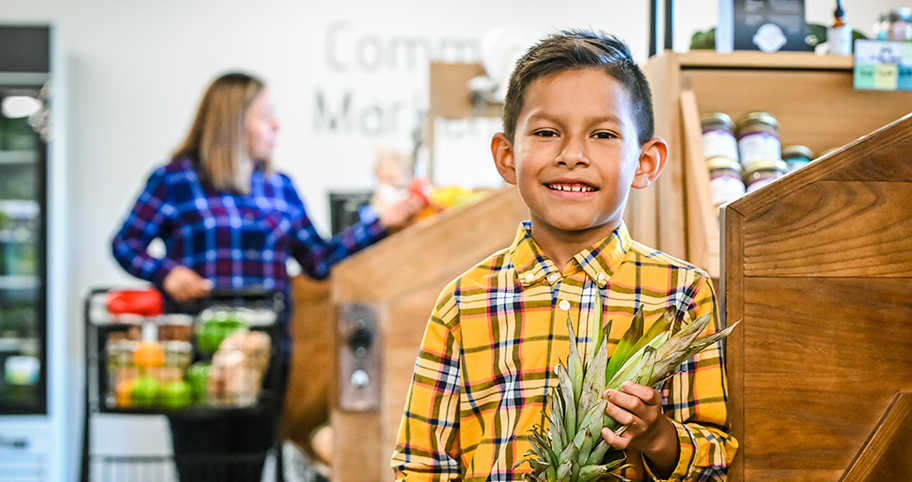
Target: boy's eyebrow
613, 119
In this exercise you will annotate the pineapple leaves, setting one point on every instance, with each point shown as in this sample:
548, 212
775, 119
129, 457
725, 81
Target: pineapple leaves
625, 347
571, 448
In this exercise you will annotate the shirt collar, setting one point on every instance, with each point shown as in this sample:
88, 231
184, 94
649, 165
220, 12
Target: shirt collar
599, 261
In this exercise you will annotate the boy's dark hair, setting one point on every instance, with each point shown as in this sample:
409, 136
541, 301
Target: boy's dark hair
575, 50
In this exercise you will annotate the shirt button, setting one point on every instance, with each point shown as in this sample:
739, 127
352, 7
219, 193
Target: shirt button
601, 276
564, 305
553, 277
530, 277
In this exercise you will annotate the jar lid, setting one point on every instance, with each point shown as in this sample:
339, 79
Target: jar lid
753, 118
716, 119
789, 152
720, 163
757, 166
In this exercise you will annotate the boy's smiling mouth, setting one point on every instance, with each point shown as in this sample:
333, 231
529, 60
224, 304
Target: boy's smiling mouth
570, 187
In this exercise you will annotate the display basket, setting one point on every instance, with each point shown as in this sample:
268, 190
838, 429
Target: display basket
215, 358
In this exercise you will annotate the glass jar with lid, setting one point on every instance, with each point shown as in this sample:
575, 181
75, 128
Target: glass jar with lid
797, 157
762, 173
719, 136
725, 182
758, 138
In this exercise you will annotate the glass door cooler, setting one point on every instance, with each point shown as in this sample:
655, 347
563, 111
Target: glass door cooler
23, 293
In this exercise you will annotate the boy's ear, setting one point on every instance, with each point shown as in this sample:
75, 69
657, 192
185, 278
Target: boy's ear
653, 156
502, 151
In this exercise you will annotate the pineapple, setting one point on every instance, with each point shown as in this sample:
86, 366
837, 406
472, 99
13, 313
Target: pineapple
572, 449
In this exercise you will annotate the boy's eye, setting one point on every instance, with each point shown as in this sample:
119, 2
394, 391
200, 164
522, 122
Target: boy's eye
604, 135
545, 133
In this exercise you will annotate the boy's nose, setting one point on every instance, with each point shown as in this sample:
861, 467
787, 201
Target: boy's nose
573, 153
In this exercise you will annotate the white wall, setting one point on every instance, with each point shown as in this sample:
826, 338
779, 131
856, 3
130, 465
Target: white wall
135, 71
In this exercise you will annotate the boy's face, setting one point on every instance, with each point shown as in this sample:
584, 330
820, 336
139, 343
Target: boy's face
575, 154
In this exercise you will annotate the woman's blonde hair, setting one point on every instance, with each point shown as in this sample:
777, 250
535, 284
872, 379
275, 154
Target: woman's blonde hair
218, 136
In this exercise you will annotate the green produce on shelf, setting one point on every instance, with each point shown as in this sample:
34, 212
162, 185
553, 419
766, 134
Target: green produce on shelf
176, 395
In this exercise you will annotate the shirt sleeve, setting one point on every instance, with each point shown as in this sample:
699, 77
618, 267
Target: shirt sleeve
149, 219
317, 255
427, 448
695, 401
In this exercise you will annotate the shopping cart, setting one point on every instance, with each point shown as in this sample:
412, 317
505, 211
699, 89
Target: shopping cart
113, 386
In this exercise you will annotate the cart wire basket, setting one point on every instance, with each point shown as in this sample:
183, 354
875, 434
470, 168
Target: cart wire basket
212, 360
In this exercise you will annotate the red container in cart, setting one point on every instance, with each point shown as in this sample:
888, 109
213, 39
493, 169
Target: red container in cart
219, 357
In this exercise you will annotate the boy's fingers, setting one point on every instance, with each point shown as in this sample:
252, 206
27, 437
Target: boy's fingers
624, 400
648, 395
618, 442
618, 412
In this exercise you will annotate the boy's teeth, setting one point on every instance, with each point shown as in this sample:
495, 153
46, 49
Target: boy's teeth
558, 187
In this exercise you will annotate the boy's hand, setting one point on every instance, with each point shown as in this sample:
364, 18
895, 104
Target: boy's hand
648, 430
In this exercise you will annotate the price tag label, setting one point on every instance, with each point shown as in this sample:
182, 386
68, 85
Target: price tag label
883, 65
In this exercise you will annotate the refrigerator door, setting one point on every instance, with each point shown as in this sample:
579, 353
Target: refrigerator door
24, 72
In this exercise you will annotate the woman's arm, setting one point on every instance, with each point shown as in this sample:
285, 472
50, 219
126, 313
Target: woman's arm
150, 218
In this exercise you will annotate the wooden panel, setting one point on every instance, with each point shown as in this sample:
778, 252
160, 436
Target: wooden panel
776, 475
702, 218
670, 216
356, 440
809, 349
440, 247
888, 452
886, 158
844, 229
732, 309
310, 377
450, 95
812, 106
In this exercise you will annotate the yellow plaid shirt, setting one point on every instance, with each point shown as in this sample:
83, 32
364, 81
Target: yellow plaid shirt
487, 356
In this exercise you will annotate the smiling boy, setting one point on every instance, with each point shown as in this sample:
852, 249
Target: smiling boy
578, 135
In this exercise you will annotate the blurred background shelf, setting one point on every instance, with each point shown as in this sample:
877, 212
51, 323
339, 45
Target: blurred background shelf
17, 282
18, 157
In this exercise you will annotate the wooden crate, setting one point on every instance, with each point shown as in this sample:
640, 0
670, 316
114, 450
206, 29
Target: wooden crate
810, 95
818, 267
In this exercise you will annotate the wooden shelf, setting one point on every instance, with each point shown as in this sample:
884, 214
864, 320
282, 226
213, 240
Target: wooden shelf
812, 97
760, 60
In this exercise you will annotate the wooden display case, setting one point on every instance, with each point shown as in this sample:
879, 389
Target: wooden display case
818, 268
811, 96
394, 285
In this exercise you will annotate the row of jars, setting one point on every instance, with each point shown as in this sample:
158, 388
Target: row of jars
742, 156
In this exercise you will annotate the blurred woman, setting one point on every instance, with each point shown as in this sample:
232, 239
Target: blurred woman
229, 220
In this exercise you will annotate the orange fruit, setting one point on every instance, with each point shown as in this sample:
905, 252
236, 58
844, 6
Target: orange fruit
148, 354
123, 393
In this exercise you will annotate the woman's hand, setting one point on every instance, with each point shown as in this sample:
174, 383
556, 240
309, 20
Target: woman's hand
183, 284
400, 212
648, 430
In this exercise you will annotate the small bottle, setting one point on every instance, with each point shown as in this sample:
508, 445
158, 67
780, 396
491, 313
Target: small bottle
839, 36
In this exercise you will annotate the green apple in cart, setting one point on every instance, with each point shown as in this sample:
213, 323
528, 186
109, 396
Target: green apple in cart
176, 395
198, 377
145, 391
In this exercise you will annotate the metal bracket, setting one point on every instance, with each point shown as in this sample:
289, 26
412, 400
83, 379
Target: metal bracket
359, 357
